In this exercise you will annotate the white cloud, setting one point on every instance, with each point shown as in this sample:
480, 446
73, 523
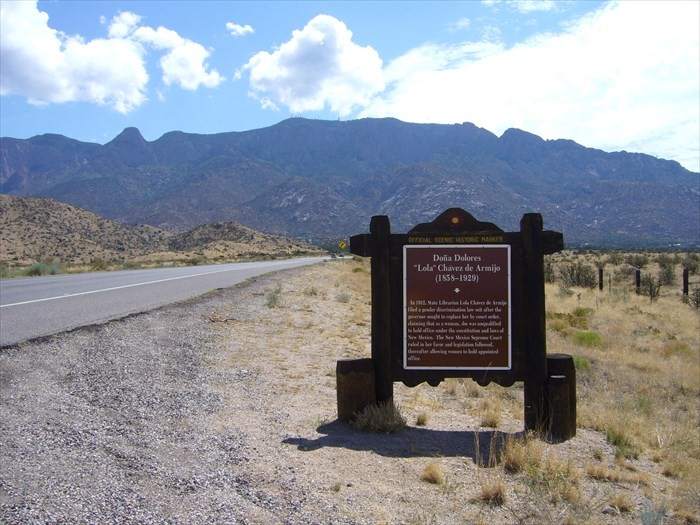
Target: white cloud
624, 77
239, 30
523, 6
528, 6
185, 63
320, 67
461, 24
123, 24
49, 67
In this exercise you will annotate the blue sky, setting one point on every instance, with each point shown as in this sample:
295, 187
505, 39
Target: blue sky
611, 75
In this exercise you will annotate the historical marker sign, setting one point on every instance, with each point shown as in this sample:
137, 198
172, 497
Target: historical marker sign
457, 307
459, 297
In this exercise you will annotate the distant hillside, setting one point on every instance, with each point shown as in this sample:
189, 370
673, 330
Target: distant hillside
37, 229
323, 180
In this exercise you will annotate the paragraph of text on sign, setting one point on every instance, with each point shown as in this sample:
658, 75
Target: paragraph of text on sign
457, 307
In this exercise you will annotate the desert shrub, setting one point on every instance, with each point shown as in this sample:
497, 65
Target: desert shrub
380, 418
615, 258
667, 275
131, 265
549, 273
43, 268
691, 262
582, 364
652, 515
637, 260
311, 291
578, 274
343, 297
650, 286
272, 299
625, 273
623, 445
588, 339
98, 264
693, 298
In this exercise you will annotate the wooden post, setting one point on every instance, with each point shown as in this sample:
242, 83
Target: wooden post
355, 387
380, 231
685, 282
562, 408
600, 279
558, 400
638, 280
536, 376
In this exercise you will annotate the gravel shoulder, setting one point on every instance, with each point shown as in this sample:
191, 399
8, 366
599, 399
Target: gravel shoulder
223, 410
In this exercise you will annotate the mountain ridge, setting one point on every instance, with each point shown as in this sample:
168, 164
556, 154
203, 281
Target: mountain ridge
351, 170
37, 229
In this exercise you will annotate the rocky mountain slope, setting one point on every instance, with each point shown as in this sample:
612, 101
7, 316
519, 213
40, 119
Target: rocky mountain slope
34, 229
323, 180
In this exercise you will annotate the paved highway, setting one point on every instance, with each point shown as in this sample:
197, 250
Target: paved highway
40, 306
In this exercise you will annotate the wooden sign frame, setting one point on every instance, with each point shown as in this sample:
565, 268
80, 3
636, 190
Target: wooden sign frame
458, 230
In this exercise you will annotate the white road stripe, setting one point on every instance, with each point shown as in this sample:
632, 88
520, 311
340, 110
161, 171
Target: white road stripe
118, 287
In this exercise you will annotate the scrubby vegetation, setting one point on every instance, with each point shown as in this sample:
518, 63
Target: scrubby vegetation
637, 356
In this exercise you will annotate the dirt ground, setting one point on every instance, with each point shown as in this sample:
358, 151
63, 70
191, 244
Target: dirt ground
223, 410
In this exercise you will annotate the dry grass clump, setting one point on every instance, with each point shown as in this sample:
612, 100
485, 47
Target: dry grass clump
521, 454
434, 474
491, 413
600, 472
380, 418
621, 503
493, 490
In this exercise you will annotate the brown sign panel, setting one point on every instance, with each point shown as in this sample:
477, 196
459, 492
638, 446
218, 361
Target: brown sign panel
457, 307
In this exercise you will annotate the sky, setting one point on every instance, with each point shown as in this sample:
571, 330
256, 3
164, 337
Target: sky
619, 75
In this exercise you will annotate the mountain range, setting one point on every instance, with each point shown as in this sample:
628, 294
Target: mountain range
322, 180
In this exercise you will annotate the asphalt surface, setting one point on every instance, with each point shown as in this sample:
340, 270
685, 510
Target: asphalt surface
41, 306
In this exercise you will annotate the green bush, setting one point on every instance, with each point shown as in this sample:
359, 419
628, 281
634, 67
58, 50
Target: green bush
42, 268
637, 260
667, 275
691, 262
615, 258
582, 364
588, 338
272, 300
578, 274
650, 287
623, 445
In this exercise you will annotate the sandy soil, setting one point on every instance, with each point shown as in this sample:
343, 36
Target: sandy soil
249, 379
